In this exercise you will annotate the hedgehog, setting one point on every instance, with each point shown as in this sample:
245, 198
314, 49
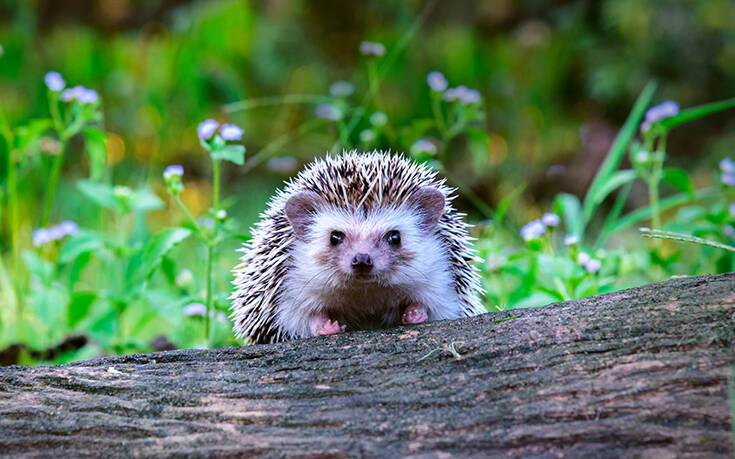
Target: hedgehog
355, 241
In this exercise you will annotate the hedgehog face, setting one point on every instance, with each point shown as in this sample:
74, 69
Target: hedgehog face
342, 247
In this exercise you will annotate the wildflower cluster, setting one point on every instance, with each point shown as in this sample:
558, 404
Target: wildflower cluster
658, 113
45, 235
55, 83
439, 84
727, 172
215, 142
537, 228
592, 265
370, 48
172, 177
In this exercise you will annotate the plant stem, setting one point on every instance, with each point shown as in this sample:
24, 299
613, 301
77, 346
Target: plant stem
208, 317
52, 184
215, 186
14, 230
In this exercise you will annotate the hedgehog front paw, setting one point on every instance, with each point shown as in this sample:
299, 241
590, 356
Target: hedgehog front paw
414, 314
321, 325
330, 328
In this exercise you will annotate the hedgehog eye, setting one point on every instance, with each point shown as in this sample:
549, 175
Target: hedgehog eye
336, 237
393, 237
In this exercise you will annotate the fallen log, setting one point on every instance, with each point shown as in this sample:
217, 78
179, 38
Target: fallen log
636, 373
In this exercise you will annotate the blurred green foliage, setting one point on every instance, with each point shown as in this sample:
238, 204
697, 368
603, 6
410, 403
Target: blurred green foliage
557, 81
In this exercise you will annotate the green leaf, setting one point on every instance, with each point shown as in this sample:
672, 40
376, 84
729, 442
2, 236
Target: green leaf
143, 199
30, 133
618, 149
693, 113
232, 153
571, 210
154, 252
83, 242
101, 194
644, 213
615, 181
96, 151
79, 306
506, 202
41, 268
680, 179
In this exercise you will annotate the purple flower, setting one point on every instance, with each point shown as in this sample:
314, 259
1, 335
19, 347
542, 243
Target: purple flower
206, 129
195, 309
54, 81
532, 230
727, 165
642, 157
583, 258
732, 209
664, 110
729, 231
56, 232
436, 81
462, 94
328, 111
88, 96
368, 48
81, 94
341, 89
423, 146
471, 96
41, 236
172, 170
728, 178
593, 266
283, 165
230, 132
550, 219
69, 227
571, 239
72, 93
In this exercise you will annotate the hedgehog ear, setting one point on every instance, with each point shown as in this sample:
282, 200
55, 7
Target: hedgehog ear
430, 203
300, 209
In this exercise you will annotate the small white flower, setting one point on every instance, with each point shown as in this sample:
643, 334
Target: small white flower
378, 119
367, 135
642, 157
221, 215
583, 258
593, 265
571, 239
184, 278
423, 146
195, 309
550, 219
54, 81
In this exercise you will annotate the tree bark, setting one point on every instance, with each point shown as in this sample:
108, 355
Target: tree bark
636, 373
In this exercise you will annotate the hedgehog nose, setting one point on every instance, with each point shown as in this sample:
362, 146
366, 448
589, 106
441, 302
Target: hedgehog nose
362, 263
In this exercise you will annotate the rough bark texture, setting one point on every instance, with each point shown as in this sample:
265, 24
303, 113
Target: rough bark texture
637, 373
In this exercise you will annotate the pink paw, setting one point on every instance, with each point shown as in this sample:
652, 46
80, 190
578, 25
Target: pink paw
414, 314
330, 328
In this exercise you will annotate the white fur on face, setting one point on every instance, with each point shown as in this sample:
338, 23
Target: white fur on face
320, 279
